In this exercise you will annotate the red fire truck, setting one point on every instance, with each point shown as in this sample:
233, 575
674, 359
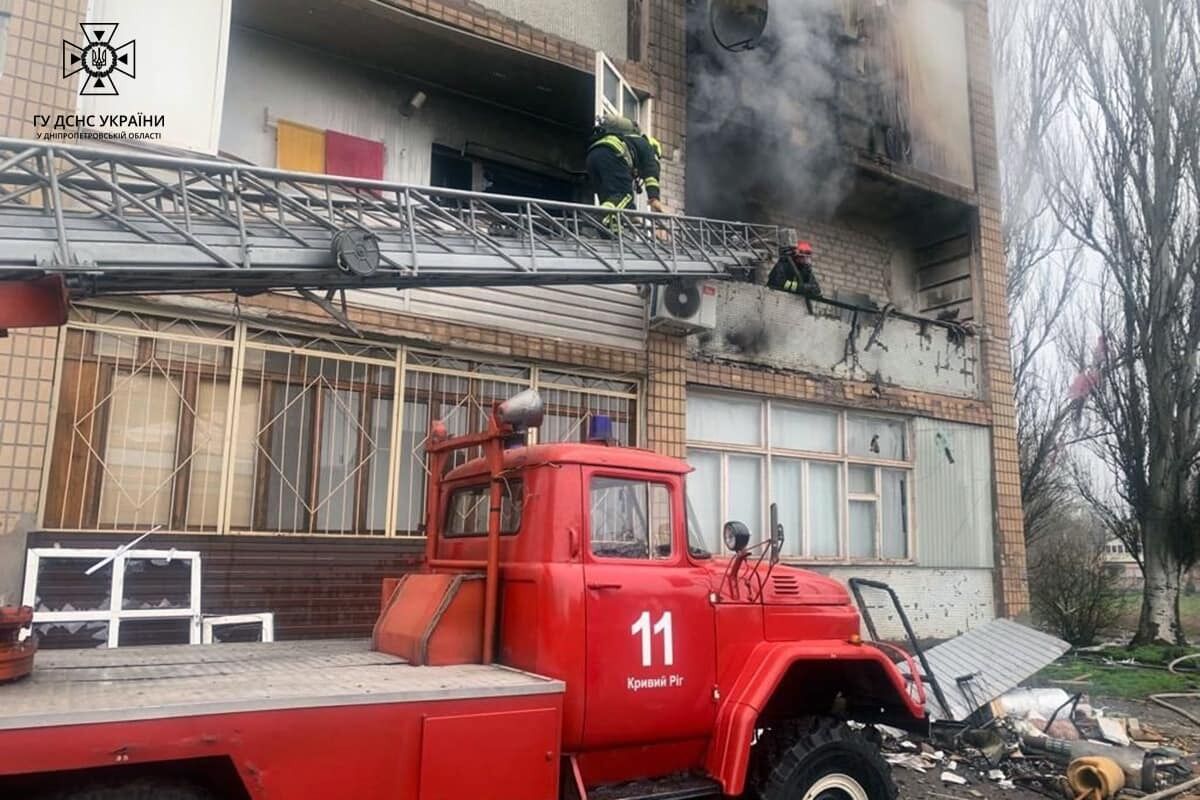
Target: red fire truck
569, 637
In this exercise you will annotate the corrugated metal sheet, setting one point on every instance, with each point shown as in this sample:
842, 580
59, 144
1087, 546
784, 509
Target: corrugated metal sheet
608, 315
953, 497
1002, 652
317, 586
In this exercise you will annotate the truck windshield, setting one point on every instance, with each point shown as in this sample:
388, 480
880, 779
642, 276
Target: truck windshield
695, 534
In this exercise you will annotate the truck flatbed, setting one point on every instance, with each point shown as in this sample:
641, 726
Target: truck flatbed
71, 687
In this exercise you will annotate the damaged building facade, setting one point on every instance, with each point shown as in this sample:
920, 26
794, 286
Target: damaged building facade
287, 452
881, 420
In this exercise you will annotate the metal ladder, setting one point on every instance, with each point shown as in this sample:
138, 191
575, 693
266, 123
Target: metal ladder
128, 221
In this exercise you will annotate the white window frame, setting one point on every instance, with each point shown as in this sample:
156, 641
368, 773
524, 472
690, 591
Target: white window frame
115, 614
767, 451
643, 114
265, 619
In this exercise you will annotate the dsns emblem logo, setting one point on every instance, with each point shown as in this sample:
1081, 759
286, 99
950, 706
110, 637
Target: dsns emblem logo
99, 58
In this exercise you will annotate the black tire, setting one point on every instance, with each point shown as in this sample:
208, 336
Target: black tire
145, 788
822, 759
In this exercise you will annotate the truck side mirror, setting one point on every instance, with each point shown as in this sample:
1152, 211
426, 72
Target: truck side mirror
776, 534
737, 535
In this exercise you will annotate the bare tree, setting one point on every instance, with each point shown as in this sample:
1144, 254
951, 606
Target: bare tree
1127, 188
1032, 78
1072, 591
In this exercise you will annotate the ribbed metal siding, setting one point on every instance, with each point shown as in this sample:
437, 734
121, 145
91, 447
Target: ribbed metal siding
953, 500
609, 315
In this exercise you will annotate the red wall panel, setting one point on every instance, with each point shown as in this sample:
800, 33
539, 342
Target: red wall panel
353, 156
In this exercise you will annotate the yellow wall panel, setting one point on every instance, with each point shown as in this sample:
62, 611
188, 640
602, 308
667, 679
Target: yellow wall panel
299, 147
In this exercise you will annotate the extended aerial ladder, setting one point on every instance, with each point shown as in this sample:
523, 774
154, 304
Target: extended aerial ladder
79, 222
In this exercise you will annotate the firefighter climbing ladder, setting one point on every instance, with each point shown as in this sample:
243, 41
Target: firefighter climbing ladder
115, 221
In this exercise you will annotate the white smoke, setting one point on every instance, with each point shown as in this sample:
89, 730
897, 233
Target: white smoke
763, 131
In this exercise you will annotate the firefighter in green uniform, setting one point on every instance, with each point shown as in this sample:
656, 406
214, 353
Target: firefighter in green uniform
647, 155
610, 165
621, 160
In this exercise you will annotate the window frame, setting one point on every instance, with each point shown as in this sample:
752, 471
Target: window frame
767, 451
673, 486
514, 487
625, 90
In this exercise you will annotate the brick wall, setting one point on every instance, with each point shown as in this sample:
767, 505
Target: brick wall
31, 84
666, 394
1012, 589
849, 260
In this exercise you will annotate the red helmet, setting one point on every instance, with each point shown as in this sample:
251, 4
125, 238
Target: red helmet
804, 248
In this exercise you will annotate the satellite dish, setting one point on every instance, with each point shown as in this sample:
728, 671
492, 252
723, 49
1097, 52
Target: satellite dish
682, 298
737, 24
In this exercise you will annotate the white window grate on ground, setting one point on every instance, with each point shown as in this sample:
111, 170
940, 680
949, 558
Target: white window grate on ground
116, 612
265, 620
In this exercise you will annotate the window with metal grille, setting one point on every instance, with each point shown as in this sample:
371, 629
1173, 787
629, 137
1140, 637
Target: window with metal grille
140, 430
223, 427
314, 425
461, 392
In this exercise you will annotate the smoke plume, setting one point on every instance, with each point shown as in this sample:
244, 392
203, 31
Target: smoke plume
763, 131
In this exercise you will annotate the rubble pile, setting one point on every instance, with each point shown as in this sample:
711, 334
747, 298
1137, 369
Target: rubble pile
1050, 742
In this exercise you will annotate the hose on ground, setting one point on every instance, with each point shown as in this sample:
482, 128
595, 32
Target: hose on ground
1188, 657
1172, 791
1161, 699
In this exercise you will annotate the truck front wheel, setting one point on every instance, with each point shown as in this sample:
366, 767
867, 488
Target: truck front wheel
822, 759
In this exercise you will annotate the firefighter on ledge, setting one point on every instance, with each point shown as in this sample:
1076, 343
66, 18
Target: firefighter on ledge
618, 155
793, 272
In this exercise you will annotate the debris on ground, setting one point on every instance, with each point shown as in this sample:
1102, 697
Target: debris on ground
1095, 778
1049, 741
953, 777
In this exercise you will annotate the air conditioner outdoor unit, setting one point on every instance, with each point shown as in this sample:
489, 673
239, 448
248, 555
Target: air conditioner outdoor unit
684, 307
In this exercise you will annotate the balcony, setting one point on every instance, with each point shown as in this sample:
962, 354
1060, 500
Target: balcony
766, 328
